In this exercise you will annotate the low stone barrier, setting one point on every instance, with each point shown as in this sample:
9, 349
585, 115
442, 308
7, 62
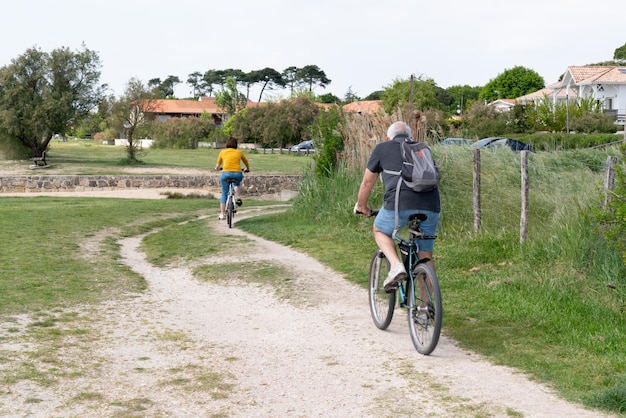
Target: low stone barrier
252, 185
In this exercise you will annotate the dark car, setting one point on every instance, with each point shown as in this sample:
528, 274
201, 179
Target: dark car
303, 146
456, 141
499, 142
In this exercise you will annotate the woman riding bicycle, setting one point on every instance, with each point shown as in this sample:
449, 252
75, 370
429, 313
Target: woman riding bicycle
230, 160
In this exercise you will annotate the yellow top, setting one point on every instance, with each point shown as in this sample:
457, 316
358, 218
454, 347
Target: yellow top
231, 157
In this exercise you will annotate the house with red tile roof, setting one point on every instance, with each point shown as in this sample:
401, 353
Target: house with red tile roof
606, 84
164, 109
552, 92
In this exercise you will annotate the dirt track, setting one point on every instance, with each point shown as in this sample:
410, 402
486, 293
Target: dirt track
314, 353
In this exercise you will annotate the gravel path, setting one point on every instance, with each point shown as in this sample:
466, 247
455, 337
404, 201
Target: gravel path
192, 348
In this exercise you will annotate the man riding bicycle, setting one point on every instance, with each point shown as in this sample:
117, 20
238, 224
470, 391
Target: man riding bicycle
387, 156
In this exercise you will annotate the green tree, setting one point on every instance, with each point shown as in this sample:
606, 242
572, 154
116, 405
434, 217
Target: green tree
210, 79
464, 97
42, 94
230, 100
194, 80
131, 114
328, 98
375, 95
268, 78
290, 77
512, 83
620, 53
419, 93
350, 96
311, 75
276, 124
165, 88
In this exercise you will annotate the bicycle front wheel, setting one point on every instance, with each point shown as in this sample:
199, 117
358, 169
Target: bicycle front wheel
230, 211
425, 309
381, 302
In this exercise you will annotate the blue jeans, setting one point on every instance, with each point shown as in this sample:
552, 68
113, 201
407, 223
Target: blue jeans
386, 221
237, 175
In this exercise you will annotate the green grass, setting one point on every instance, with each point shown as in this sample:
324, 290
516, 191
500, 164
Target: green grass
47, 257
544, 306
89, 158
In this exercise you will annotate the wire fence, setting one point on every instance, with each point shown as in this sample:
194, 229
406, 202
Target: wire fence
501, 190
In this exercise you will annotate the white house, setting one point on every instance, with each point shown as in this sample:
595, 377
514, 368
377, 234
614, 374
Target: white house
503, 105
606, 84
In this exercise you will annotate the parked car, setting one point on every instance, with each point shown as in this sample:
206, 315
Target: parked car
303, 146
499, 142
456, 141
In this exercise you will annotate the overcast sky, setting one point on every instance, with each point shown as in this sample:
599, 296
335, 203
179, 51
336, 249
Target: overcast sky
360, 44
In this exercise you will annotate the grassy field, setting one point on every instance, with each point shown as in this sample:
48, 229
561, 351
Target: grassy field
543, 306
87, 158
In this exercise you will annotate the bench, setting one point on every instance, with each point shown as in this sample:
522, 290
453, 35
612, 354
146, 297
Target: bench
38, 160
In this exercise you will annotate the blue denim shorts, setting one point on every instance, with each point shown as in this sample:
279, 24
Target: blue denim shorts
237, 175
386, 220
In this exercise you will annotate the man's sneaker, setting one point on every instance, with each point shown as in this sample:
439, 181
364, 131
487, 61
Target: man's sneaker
395, 275
220, 217
238, 202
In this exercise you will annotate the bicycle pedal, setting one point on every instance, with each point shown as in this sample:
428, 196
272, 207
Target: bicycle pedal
391, 288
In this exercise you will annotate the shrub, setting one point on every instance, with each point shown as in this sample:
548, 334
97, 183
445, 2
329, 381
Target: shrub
181, 133
276, 124
614, 215
328, 142
593, 122
484, 121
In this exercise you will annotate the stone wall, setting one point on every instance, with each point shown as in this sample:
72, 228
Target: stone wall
252, 185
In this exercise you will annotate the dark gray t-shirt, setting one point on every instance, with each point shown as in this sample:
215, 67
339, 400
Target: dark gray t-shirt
388, 156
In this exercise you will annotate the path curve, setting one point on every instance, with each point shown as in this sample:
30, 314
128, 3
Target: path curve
315, 354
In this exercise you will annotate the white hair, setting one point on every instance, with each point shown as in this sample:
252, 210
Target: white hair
398, 128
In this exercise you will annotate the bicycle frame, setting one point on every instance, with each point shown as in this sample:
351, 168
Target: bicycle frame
408, 251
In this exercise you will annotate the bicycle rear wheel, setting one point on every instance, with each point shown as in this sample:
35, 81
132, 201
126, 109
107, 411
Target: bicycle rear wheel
381, 302
425, 309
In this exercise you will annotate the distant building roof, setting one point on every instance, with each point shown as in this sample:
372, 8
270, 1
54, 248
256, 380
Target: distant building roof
595, 74
188, 107
503, 105
561, 94
184, 107
364, 107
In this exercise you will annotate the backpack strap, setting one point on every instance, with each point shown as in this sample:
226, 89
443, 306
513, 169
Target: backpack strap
400, 139
396, 228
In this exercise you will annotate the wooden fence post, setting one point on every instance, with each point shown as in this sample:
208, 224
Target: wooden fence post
523, 223
609, 179
476, 190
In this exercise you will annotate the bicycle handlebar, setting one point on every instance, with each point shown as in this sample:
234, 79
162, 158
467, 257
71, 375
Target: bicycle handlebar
356, 212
